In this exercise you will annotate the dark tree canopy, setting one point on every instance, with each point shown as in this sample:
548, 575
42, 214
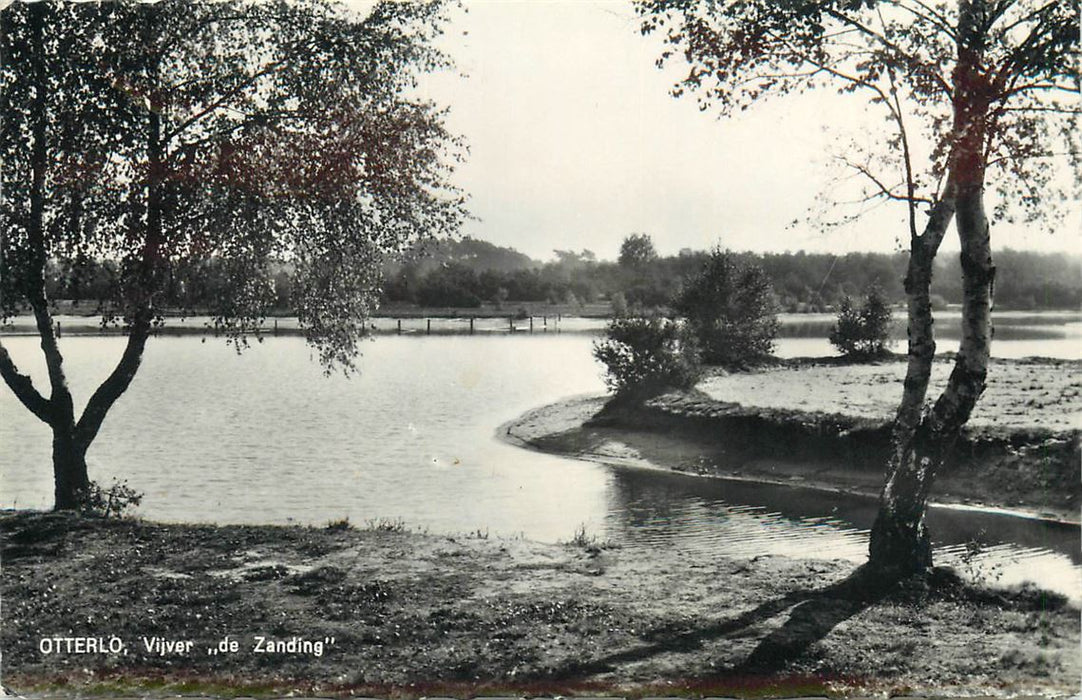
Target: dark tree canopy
730, 307
637, 251
238, 132
863, 333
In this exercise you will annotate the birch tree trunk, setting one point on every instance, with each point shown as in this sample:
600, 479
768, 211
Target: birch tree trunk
922, 438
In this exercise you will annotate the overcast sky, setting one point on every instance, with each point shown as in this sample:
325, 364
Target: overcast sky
575, 143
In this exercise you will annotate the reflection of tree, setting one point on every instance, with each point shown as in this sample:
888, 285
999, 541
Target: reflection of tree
712, 516
641, 499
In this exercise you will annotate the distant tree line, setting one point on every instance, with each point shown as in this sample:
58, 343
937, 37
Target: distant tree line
468, 273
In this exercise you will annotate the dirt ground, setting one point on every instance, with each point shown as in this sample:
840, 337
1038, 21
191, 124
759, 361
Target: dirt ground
403, 614
1039, 393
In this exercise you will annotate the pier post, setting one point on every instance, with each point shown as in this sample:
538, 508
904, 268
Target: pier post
531, 324
428, 326
471, 325
399, 326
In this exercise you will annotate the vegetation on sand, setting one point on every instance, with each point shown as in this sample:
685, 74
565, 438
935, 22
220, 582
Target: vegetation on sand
646, 355
863, 333
729, 306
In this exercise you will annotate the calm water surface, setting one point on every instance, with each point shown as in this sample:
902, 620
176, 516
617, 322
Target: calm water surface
265, 437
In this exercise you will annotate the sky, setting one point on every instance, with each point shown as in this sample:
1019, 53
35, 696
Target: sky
575, 143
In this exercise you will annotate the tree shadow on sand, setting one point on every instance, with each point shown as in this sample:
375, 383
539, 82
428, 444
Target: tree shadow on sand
812, 619
813, 613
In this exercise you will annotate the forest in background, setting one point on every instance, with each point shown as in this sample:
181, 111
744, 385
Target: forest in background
468, 273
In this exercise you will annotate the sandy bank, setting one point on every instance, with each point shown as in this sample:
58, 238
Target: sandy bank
1023, 460
1034, 393
418, 615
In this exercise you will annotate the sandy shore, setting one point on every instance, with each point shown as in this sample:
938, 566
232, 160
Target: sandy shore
406, 615
1037, 480
1039, 393
825, 425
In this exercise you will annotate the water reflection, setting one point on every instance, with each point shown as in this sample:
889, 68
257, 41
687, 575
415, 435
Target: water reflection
706, 517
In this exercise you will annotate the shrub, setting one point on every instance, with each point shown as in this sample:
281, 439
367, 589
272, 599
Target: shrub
731, 309
339, 525
645, 356
112, 502
863, 333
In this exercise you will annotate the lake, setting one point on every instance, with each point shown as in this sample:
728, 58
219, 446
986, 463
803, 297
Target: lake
265, 437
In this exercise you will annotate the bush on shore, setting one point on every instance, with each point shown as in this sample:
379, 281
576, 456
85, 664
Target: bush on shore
730, 307
646, 356
864, 333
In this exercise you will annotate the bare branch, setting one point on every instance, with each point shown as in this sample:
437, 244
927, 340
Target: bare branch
883, 189
910, 186
1040, 86
867, 31
226, 96
1032, 156
1054, 110
1028, 17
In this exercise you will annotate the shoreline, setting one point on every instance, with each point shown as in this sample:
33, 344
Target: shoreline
414, 615
660, 434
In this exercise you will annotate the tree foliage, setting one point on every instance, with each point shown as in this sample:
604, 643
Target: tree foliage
863, 333
637, 251
902, 57
256, 137
236, 132
729, 306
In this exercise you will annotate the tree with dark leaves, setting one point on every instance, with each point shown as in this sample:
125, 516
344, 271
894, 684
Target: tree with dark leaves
863, 333
976, 94
729, 306
162, 135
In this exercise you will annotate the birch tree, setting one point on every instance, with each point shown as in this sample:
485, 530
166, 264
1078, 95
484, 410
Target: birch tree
158, 134
980, 98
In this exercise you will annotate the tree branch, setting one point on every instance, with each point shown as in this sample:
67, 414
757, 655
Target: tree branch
1028, 17
216, 104
884, 190
867, 31
1040, 34
115, 384
1040, 86
910, 186
929, 15
23, 387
